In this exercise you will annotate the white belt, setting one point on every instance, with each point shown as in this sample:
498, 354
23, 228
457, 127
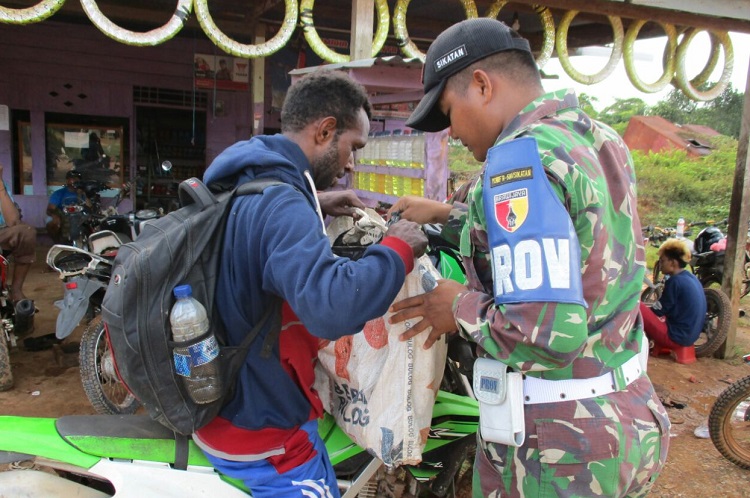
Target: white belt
537, 390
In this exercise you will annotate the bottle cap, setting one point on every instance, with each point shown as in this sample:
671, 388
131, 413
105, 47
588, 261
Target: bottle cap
183, 291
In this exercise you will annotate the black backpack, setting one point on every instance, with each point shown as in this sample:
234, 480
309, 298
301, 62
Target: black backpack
183, 247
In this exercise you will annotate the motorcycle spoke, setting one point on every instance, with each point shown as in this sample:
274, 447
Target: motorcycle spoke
100, 382
729, 423
113, 389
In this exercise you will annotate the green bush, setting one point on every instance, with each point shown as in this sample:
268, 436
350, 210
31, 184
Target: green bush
672, 184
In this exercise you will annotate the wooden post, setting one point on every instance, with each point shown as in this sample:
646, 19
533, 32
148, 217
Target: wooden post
739, 210
363, 15
259, 83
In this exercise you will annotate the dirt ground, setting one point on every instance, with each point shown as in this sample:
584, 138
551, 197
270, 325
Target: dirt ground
47, 384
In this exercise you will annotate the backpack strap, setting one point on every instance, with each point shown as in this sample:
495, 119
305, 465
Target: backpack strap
194, 191
273, 312
257, 186
181, 451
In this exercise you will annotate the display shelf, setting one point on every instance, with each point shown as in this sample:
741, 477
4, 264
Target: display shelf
391, 170
377, 196
173, 135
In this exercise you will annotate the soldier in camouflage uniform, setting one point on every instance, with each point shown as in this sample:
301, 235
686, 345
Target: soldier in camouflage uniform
581, 439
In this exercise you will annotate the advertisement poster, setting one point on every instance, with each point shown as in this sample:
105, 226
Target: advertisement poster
224, 71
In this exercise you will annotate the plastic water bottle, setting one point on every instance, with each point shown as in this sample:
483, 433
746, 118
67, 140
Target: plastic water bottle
195, 362
680, 228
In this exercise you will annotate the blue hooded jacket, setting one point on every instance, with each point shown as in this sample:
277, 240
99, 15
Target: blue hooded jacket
275, 245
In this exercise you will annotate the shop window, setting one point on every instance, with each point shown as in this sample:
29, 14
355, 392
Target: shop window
95, 150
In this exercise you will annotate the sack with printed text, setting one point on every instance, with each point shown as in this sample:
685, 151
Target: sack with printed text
380, 390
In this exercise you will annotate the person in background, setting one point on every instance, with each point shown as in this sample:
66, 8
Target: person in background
551, 243
18, 238
677, 318
276, 254
64, 196
94, 152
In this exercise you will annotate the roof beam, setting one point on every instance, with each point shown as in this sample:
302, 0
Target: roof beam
722, 15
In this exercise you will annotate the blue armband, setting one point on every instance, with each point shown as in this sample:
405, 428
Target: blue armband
534, 248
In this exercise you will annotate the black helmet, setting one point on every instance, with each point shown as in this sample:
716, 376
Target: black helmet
74, 174
706, 238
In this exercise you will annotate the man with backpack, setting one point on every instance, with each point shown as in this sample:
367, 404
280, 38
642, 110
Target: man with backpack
276, 253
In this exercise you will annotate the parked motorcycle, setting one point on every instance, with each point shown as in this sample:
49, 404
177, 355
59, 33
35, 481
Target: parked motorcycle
718, 313
708, 263
16, 321
86, 275
134, 456
729, 422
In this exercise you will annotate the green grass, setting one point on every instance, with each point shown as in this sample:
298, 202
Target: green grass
670, 184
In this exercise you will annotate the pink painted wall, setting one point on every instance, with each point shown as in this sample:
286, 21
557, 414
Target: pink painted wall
39, 59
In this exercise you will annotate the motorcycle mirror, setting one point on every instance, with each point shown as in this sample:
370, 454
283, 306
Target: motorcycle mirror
166, 165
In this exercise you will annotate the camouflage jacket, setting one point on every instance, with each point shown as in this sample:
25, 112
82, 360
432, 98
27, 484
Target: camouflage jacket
591, 170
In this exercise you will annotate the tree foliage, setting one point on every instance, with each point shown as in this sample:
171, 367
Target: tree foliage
618, 114
723, 114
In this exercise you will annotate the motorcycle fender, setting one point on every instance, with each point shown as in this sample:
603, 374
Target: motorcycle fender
74, 304
29, 484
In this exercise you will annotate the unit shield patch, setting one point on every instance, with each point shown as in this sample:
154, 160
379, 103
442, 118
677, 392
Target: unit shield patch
511, 209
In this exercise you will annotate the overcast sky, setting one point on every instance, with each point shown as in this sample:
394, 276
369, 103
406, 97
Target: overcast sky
618, 85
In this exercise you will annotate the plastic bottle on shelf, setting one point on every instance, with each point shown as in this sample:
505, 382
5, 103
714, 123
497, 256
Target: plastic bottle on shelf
379, 151
392, 147
403, 159
196, 363
680, 228
417, 150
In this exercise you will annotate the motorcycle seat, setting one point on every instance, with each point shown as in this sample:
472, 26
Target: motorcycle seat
121, 426
130, 437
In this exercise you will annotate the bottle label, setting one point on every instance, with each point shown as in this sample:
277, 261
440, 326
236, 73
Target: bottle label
185, 359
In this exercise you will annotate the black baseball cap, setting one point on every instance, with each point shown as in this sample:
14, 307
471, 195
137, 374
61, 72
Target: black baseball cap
453, 50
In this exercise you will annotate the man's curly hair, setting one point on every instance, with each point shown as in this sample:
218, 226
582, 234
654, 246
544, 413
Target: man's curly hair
676, 250
321, 94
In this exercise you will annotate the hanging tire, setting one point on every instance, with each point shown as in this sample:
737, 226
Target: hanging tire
716, 327
728, 423
103, 388
6, 375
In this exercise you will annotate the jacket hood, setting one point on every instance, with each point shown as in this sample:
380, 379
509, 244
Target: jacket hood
263, 156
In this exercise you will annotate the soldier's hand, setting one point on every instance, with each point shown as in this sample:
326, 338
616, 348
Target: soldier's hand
421, 210
339, 202
411, 233
430, 313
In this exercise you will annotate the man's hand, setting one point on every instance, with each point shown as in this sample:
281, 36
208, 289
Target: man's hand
411, 233
435, 308
339, 202
421, 210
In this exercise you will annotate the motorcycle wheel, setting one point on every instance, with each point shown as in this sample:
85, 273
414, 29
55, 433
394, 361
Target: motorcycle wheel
716, 327
729, 423
652, 294
103, 388
6, 375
